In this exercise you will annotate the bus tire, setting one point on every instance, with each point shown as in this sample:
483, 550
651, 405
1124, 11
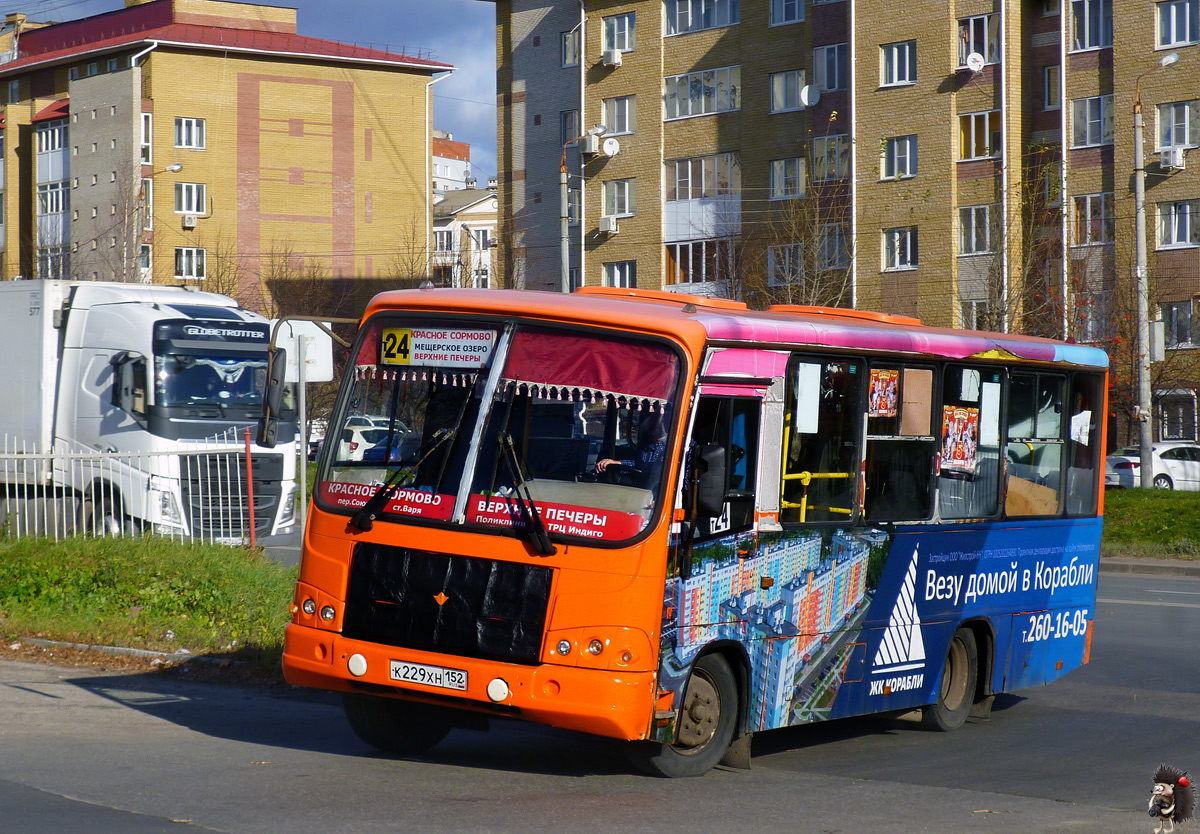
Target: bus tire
956, 688
706, 723
399, 727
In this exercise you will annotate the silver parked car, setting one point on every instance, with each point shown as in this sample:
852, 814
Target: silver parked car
1176, 466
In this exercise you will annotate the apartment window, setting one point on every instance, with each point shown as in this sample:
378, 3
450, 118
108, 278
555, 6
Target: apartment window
443, 240
189, 263
190, 198
1179, 124
1178, 23
93, 69
785, 264
697, 261
73, 73
147, 137
481, 238
899, 63
1050, 8
1052, 185
899, 157
1050, 97
189, 133
831, 157
147, 203
568, 126
145, 261
979, 135
785, 90
573, 278
703, 92
1091, 121
573, 197
900, 248
52, 136
694, 15
620, 198
1179, 223
833, 249
1091, 24
1177, 323
621, 274
14, 91
787, 178
570, 48
52, 198
786, 11
618, 32
979, 34
619, 115
703, 176
112, 65
1094, 220
974, 230
830, 67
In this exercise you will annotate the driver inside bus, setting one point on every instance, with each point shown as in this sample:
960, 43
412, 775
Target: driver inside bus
651, 449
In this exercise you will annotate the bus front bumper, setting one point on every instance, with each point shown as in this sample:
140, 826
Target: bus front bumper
603, 702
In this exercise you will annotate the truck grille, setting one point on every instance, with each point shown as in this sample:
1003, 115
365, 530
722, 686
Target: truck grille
487, 608
216, 501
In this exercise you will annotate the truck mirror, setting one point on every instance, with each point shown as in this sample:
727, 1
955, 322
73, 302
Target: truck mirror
268, 432
710, 483
273, 396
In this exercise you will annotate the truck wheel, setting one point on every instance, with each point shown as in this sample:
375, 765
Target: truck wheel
102, 511
956, 689
707, 719
393, 726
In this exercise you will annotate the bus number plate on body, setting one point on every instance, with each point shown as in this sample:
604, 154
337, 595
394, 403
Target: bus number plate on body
429, 675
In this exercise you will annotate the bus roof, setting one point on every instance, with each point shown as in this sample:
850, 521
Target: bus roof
697, 320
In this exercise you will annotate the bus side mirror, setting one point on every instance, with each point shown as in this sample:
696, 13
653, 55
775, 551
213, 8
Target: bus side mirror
711, 481
268, 425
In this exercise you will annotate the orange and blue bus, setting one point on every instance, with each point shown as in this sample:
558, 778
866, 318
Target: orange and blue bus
676, 521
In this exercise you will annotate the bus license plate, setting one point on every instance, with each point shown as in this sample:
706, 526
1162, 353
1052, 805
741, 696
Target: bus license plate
438, 676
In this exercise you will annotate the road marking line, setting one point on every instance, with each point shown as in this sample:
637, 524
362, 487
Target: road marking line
1149, 602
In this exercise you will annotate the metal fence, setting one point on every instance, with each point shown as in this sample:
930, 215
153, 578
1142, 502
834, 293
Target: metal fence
201, 493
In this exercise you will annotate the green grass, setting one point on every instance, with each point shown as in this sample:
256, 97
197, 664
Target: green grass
1151, 523
147, 593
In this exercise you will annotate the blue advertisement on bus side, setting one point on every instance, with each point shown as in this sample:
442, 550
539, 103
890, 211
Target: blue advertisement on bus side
844, 622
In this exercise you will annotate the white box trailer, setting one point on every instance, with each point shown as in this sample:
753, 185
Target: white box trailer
161, 382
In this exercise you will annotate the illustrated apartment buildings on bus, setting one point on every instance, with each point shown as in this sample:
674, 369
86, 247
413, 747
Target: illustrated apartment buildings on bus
195, 140
921, 158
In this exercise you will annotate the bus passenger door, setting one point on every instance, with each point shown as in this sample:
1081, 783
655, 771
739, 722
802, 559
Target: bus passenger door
731, 424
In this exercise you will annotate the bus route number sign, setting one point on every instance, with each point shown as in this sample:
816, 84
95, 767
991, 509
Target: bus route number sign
436, 347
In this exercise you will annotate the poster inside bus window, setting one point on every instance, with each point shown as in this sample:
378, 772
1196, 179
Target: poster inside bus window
960, 440
885, 385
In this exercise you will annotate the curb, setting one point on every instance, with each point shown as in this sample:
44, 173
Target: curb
1148, 567
182, 654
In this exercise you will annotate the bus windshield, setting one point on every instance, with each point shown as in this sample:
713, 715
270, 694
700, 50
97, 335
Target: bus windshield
483, 426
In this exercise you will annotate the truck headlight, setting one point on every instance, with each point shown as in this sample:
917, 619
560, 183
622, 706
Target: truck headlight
162, 496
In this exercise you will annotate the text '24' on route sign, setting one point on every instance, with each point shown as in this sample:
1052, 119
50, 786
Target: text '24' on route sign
436, 347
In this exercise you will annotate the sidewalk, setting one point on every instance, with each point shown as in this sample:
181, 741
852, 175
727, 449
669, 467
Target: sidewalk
1149, 567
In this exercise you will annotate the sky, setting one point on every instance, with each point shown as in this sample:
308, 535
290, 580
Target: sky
458, 32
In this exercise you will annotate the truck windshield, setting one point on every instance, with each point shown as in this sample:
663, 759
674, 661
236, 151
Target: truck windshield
589, 417
182, 379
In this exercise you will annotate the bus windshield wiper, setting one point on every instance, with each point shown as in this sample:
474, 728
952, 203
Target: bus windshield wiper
364, 519
537, 528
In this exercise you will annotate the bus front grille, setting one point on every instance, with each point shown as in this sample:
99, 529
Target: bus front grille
457, 605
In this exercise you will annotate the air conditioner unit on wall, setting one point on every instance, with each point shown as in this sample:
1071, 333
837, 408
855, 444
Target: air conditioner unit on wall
1171, 158
609, 225
589, 144
189, 221
612, 58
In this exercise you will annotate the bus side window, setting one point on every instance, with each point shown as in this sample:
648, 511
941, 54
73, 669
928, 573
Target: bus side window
900, 444
732, 424
822, 439
969, 458
1035, 444
1084, 457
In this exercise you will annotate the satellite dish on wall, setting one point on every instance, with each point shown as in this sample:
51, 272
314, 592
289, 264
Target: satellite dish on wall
610, 147
809, 95
975, 62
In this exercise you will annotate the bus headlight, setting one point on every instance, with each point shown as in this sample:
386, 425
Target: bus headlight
603, 647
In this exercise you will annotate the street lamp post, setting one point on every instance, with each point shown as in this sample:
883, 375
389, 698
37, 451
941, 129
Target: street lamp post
564, 191
1145, 403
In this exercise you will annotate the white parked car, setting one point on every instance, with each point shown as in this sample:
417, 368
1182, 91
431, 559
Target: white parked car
355, 440
1176, 466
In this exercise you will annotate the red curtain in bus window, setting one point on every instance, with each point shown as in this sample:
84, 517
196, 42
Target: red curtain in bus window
573, 363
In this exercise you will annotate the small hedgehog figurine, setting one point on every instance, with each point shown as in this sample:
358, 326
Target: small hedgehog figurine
1173, 799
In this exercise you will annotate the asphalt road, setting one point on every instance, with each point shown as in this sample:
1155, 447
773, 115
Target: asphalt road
109, 754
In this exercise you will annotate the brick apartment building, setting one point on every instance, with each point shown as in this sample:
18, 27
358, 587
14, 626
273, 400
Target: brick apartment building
194, 140
905, 157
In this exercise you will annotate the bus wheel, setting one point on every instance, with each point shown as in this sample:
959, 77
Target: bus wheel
399, 727
706, 724
956, 690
